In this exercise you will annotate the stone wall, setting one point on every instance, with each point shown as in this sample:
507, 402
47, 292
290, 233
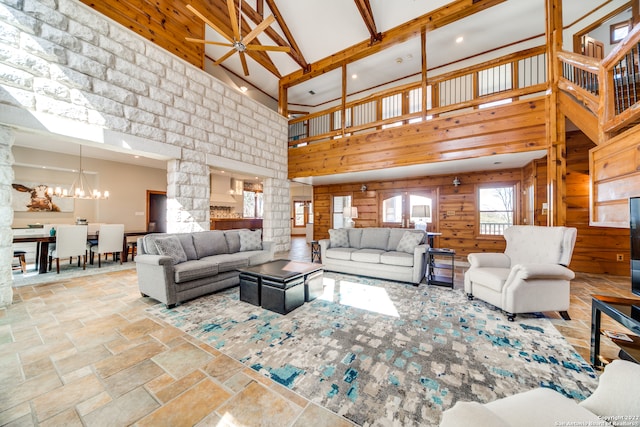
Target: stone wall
67, 70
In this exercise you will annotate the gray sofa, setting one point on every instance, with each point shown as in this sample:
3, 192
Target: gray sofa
387, 253
173, 268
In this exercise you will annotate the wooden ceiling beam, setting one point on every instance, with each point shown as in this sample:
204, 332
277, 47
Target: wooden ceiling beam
260, 57
442, 16
364, 7
295, 53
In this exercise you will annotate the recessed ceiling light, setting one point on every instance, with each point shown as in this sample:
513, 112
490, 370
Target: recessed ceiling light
136, 157
243, 89
460, 39
354, 76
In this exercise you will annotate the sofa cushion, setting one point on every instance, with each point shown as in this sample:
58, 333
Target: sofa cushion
491, 277
339, 238
229, 262
209, 243
374, 238
397, 258
250, 240
355, 235
367, 255
465, 414
616, 397
408, 242
194, 269
233, 240
186, 240
339, 253
170, 246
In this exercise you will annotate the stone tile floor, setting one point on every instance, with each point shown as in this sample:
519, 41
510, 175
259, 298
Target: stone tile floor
83, 351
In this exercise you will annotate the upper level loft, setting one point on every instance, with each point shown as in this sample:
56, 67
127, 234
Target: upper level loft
501, 106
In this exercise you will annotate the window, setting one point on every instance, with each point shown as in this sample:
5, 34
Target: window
396, 208
496, 209
337, 216
302, 213
619, 31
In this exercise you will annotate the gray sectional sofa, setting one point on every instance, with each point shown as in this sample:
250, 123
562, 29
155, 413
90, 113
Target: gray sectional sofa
387, 253
173, 268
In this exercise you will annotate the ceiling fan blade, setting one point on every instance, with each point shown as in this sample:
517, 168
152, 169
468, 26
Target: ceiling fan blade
233, 19
189, 39
271, 48
224, 57
209, 23
243, 60
258, 29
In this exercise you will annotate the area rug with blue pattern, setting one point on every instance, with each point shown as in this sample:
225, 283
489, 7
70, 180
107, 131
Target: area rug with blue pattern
384, 353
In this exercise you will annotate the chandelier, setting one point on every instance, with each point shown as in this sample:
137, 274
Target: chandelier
79, 189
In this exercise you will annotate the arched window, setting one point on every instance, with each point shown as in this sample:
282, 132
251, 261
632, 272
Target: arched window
396, 208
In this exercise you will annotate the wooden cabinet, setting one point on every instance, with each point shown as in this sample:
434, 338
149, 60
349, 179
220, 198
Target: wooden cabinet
235, 223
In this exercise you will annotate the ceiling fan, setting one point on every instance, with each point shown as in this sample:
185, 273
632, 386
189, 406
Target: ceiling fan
237, 43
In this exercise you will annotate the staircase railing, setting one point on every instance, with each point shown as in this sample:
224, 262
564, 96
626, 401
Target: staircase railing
500, 80
620, 77
609, 88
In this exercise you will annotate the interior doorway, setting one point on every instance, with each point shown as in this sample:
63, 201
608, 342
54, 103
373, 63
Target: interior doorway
157, 211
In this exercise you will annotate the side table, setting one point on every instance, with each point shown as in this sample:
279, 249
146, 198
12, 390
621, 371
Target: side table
441, 267
625, 311
315, 252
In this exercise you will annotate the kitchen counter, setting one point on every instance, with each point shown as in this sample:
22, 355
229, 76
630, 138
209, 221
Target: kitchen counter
235, 223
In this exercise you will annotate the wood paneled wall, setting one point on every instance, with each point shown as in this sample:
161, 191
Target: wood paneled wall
596, 248
455, 213
163, 22
514, 128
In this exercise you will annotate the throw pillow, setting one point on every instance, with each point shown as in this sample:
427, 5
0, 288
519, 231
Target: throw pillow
409, 241
339, 238
170, 246
616, 398
250, 240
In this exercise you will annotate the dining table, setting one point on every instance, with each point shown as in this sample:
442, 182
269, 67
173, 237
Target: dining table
43, 241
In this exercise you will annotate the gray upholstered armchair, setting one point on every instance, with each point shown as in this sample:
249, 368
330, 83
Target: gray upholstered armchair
530, 276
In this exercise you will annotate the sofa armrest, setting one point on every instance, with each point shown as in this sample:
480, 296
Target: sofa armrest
541, 271
154, 259
324, 245
490, 259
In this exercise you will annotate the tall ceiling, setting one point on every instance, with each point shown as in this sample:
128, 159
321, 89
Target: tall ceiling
321, 29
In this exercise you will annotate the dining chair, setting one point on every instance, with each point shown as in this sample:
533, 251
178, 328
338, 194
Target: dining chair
71, 240
110, 240
21, 255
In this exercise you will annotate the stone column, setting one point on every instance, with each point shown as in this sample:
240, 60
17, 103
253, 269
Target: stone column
7, 138
187, 196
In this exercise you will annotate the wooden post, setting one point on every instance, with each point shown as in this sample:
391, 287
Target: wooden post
557, 146
283, 102
423, 43
343, 112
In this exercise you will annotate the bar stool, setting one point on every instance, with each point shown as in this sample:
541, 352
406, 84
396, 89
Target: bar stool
21, 258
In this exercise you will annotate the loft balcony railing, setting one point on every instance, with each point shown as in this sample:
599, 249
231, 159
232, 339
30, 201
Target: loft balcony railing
500, 80
608, 88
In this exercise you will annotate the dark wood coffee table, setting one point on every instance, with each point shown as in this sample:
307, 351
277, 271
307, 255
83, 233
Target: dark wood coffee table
281, 285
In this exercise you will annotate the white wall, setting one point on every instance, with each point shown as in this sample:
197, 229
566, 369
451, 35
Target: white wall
69, 71
126, 183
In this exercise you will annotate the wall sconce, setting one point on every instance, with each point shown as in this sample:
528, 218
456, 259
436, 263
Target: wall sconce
456, 182
363, 188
